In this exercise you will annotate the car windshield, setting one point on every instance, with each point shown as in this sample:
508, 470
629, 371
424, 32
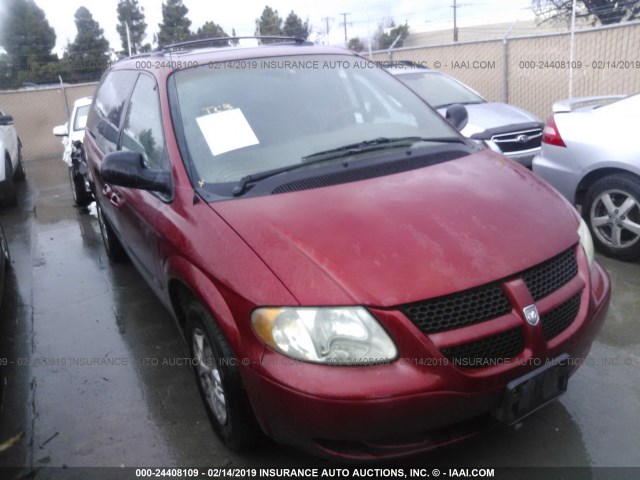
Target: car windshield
81, 117
627, 105
439, 90
279, 112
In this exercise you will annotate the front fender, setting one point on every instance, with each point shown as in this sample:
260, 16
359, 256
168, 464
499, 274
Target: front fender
181, 270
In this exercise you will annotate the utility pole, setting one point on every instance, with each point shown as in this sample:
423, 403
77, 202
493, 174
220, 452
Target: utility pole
326, 19
344, 21
455, 20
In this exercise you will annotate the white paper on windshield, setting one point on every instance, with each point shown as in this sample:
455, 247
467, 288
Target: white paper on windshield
226, 131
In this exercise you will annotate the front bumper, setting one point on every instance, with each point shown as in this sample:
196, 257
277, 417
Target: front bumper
404, 407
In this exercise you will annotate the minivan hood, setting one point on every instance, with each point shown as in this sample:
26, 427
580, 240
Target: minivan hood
485, 116
409, 236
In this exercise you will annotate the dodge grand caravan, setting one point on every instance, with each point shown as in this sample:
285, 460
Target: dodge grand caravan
353, 276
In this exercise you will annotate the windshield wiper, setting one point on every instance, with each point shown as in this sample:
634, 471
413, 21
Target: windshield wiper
381, 143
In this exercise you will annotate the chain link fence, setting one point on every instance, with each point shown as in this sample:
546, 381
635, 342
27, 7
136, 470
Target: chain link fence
36, 111
533, 71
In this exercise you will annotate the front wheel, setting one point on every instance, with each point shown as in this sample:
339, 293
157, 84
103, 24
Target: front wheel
81, 197
219, 380
612, 211
112, 245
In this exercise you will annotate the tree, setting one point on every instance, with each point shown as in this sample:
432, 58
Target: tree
356, 44
175, 24
26, 34
384, 40
130, 13
89, 52
606, 11
293, 26
269, 22
212, 30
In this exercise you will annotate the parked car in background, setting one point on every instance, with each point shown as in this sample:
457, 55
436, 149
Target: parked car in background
73, 134
590, 154
352, 275
12, 165
503, 128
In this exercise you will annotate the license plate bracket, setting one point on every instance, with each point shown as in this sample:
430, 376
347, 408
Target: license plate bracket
529, 393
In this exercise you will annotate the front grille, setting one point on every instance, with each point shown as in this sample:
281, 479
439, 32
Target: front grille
558, 319
549, 276
518, 141
488, 351
459, 309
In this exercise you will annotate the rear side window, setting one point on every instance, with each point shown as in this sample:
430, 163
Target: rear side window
105, 116
142, 131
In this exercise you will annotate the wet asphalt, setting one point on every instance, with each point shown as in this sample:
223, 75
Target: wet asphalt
95, 372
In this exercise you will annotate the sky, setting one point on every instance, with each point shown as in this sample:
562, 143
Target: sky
363, 19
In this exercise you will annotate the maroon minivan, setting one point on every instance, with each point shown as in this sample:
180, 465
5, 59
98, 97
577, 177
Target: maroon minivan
353, 276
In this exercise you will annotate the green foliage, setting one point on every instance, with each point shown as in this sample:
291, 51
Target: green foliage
28, 40
606, 11
26, 34
294, 27
89, 52
356, 44
269, 22
385, 40
212, 30
175, 24
129, 12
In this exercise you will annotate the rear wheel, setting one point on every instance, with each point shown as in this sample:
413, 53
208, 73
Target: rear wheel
81, 196
9, 194
19, 175
219, 380
612, 211
112, 245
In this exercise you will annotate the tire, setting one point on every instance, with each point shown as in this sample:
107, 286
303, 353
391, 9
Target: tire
115, 250
612, 211
9, 194
19, 174
4, 248
81, 197
219, 381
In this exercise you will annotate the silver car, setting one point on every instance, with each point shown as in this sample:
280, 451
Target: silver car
503, 128
591, 154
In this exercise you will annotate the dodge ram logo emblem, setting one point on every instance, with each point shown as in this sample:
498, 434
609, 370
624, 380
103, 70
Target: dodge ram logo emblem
531, 314
522, 139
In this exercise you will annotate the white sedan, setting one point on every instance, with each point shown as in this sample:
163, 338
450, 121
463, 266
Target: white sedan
591, 154
12, 168
72, 132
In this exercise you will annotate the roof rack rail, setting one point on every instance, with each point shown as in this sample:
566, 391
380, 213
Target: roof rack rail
200, 41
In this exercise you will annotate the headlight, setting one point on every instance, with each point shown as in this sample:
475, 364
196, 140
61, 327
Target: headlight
331, 335
586, 241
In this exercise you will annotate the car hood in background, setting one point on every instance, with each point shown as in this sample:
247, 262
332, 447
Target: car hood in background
409, 236
491, 115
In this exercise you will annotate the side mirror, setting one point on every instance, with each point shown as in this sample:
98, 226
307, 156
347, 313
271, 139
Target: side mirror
457, 116
126, 169
60, 131
6, 120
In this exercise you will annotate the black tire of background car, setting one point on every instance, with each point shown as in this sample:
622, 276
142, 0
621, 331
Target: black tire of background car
19, 174
81, 197
4, 248
618, 181
115, 250
241, 431
9, 194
